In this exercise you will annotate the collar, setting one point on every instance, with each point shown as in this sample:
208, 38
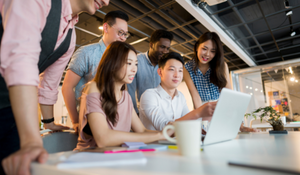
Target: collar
147, 57
66, 12
102, 45
164, 94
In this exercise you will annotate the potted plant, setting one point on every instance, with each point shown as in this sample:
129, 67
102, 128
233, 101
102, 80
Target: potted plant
270, 115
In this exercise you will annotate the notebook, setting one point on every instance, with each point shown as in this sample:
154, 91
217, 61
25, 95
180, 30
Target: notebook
88, 159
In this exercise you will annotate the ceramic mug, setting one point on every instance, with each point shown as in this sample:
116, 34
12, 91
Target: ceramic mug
188, 134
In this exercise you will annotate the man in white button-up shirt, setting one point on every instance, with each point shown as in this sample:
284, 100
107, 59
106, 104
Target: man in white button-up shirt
165, 104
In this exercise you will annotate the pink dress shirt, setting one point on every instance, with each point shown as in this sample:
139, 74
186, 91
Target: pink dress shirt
23, 23
91, 103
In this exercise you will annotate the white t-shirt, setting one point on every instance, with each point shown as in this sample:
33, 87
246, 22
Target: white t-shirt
157, 108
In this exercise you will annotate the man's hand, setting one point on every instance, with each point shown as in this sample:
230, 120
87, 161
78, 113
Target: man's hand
19, 162
247, 129
207, 110
55, 127
76, 127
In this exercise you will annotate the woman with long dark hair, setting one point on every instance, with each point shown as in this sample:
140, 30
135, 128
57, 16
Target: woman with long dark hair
207, 73
106, 112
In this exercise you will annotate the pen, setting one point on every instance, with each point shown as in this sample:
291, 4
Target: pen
264, 168
175, 147
129, 151
172, 147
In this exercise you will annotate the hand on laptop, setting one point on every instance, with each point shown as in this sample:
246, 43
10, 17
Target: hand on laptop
247, 129
207, 110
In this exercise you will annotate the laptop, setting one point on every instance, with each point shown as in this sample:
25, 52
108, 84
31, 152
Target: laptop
228, 116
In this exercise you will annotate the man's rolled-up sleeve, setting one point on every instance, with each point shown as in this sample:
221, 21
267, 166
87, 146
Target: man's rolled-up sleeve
20, 46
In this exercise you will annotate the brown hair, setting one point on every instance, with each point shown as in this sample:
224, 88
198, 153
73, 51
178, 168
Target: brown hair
112, 61
217, 64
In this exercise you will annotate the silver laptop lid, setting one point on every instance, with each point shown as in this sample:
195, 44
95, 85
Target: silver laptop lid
227, 117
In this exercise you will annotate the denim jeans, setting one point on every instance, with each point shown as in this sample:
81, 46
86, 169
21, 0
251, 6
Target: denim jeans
9, 137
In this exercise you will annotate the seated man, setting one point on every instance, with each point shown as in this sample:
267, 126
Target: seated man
165, 104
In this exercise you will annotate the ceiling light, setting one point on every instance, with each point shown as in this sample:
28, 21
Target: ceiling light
250, 88
256, 89
251, 94
289, 13
209, 2
293, 33
101, 28
247, 87
291, 71
296, 81
292, 79
138, 41
261, 91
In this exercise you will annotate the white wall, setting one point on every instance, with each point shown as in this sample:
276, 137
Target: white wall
184, 89
252, 84
60, 109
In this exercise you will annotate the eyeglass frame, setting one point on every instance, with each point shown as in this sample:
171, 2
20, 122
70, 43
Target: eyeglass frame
120, 32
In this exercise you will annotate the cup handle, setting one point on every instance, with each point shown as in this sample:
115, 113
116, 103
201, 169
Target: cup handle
165, 134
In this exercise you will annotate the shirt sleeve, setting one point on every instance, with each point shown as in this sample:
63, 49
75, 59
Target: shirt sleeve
150, 107
79, 62
93, 104
185, 108
50, 79
20, 46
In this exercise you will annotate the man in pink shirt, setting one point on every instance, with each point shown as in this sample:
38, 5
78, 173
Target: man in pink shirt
21, 88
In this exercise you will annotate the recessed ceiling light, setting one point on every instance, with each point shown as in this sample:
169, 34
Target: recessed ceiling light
292, 79
296, 81
250, 88
247, 87
101, 28
251, 94
256, 89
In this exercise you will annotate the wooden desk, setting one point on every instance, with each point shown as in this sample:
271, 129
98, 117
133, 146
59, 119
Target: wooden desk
261, 148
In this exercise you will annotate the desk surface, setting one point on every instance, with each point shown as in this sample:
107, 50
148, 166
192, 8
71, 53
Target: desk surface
280, 151
267, 125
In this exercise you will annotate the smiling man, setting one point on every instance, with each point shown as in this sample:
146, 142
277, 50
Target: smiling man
147, 77
85, 61
165, 104
38, 37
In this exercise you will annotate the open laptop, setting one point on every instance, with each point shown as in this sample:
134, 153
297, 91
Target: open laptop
227, 117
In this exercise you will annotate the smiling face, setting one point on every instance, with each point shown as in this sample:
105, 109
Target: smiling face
206, 52
93, 5
171, 74
116, 32
159, 48
128, 71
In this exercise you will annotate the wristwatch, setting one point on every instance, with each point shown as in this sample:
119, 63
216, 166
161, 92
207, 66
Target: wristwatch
48, 120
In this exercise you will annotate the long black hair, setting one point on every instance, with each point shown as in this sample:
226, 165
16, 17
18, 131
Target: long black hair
112, 61
217, 64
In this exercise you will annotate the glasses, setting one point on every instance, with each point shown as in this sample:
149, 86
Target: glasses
121, 32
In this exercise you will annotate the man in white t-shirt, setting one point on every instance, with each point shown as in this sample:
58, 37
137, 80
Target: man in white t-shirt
165, 104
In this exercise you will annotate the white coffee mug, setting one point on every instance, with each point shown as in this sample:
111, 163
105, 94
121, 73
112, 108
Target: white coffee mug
188, 136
